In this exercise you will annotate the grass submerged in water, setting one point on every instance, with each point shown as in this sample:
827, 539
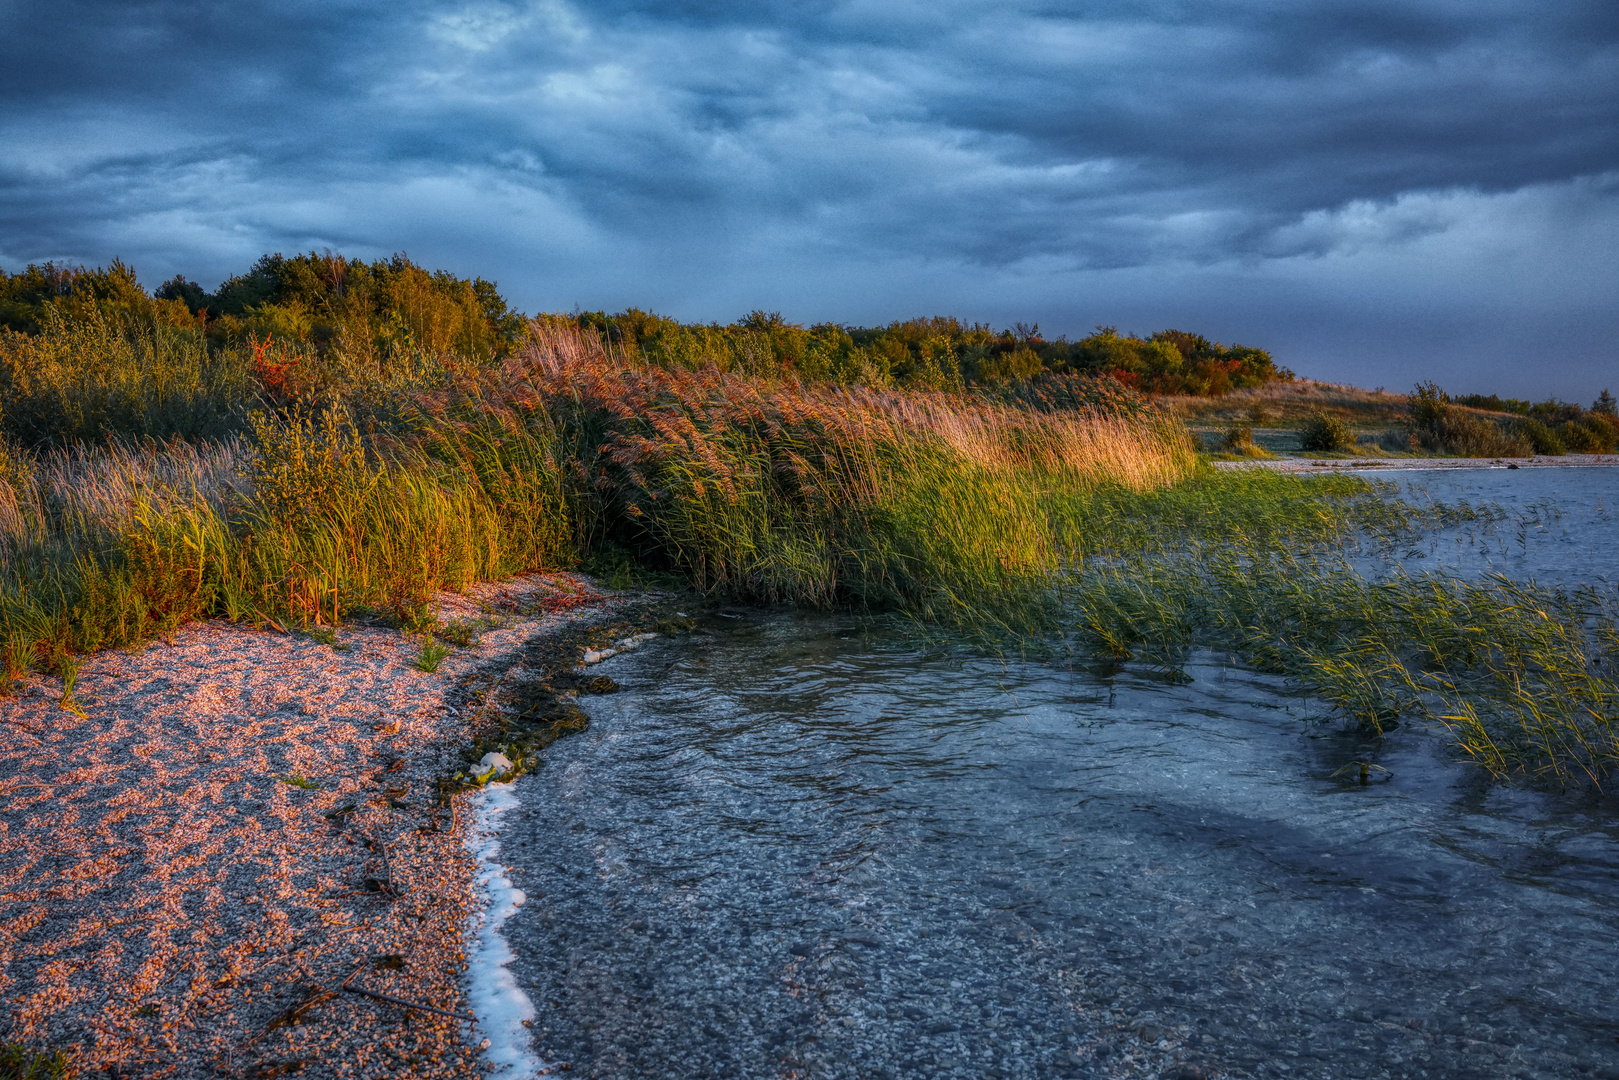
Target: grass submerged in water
1518, 675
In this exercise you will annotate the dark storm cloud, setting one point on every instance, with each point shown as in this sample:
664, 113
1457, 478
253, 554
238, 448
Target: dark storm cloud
801, 154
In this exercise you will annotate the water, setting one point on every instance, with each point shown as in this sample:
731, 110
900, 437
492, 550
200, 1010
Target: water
789, 848
1557, 526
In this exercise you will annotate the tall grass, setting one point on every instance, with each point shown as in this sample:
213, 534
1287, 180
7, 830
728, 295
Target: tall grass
776, 490
767, 489
105, 547
1518, 675
301, 498
106, 375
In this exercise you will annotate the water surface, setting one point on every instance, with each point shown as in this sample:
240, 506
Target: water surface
794, 847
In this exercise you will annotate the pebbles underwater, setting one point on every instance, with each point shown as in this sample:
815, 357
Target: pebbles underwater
783, 849
797, 846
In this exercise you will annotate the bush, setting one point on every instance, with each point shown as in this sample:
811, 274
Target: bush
1439, 426
1322, 433
1593, 433
1540, 437
1240, 440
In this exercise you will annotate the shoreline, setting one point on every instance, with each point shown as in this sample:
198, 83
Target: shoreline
222, 844
1319, 465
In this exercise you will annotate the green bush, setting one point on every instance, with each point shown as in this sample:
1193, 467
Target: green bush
1240, 440
1439, 426
1540, 437
1322, 433
1593, 433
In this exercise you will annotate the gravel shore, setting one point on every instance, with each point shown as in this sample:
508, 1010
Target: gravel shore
1313, 465
217, 843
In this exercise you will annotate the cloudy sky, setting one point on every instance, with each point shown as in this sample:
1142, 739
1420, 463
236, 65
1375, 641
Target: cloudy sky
1376, 190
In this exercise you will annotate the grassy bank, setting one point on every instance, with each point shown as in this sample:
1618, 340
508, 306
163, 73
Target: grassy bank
300, 488
1324, 418
767, 489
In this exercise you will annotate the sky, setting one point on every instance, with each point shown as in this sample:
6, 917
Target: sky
1376, 191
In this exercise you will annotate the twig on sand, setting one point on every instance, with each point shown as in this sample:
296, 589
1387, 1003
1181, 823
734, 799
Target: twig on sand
402, 1002
296, 1012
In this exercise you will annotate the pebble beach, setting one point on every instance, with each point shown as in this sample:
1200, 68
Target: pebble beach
225, 854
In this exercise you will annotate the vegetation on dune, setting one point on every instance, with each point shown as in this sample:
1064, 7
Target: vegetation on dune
937, 354
357, 316
782, 491
1324, 432
321, 437
1426, 422
331, 501
1555, 427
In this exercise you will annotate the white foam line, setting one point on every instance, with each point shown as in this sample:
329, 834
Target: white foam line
497, 1001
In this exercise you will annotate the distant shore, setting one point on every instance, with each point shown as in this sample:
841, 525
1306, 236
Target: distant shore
1358, 464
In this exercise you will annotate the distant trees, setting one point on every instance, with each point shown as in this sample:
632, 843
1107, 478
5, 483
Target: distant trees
1549, 427
367, 313
938, 352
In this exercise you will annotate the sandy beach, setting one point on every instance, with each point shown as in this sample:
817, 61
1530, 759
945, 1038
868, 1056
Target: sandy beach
218, 847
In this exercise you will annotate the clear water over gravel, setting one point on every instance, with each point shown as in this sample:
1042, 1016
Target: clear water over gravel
792, 848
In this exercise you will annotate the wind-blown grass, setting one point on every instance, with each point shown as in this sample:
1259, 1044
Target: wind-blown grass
1514, 673
105, 547
779, 491
1006, 522
762, 489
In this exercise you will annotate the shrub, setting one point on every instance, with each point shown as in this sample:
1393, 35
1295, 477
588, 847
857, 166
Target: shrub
1240, 440
103, 375
1540, 437
1593, 433
1439, 426
1324, 433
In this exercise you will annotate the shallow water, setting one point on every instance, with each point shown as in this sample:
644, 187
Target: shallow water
1557, 526
789, 848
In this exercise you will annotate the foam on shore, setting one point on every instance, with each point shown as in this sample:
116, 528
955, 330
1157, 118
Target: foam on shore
496, 1000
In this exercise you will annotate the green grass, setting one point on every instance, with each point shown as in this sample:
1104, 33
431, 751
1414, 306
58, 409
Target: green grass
431, 656
1016, 527
18, 1063
1515, 675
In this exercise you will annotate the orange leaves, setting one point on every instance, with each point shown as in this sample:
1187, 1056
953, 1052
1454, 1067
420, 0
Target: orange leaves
274, 365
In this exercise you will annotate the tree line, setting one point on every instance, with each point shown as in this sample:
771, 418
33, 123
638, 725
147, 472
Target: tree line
371, 312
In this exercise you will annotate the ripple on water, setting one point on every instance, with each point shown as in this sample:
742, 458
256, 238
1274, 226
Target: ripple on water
786, 850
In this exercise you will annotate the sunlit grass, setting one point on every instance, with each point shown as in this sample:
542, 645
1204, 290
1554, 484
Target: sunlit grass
1008, 524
